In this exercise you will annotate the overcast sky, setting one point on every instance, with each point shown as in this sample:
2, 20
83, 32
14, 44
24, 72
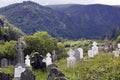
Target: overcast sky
49, 2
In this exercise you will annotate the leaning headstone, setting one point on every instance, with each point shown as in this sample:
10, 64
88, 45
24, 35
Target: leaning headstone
27, 75
71, 60
20, 46
27, 61
90, 54
116, 53
4, 76
54, 56
17, 72
48, 59
95, 48
4, 63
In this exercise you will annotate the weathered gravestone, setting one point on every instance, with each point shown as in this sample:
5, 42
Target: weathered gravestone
116, 53
4, 63
78, 54
95, 48
20, 46
4, 76
18, 71
48, 59
54, 74
27, 75
81, 52
90, 54
36, 61
27, 61
54, 56
71, 60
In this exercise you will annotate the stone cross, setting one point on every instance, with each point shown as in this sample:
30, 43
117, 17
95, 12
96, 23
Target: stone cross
18, 71
20, 46
95, 48
48, 59
27, 61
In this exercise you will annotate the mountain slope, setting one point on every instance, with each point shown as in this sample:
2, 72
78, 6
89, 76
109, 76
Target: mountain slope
8, 31
70, 21
94, 20
31, 17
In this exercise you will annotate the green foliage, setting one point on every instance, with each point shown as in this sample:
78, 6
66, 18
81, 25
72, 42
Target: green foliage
102, 67
40, 42
61, 52
7, 50
118, 39
8, 31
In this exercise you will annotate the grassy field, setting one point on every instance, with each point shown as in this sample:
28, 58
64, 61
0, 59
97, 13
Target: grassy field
102, 67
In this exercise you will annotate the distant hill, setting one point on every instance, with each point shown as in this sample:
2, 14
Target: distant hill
8, 31
70, 21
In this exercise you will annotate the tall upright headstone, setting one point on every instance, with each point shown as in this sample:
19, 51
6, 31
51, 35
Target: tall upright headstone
81, 52
54, 56
20, 46
71, 60
95, 48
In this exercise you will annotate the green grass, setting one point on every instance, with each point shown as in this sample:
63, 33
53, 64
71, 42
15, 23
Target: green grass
102, 67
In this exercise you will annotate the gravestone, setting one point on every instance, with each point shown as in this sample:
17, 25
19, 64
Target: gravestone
4, 63
27, 61
4, 76
71, 52
27, 75
54, 73
48, 59
95, 48
54, 56
81, 52
36, 62
71, 60
90, 54
20, 46
18, 71
118, 45
77, 54
116, 53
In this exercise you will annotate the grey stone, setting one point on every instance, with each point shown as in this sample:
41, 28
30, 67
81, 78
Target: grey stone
77, 55
4, 63
54, 56
36, 62
54, 73
27, 75
20, 46
4, 76
61, 78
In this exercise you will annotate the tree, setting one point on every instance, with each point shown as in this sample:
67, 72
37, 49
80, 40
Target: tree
40, 42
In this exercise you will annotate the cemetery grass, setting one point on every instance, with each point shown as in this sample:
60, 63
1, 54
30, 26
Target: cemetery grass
102, 67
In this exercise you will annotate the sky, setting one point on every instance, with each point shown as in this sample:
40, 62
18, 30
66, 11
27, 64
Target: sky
52, 2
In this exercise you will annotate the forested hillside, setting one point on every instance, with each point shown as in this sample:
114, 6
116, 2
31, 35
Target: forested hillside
68, 21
